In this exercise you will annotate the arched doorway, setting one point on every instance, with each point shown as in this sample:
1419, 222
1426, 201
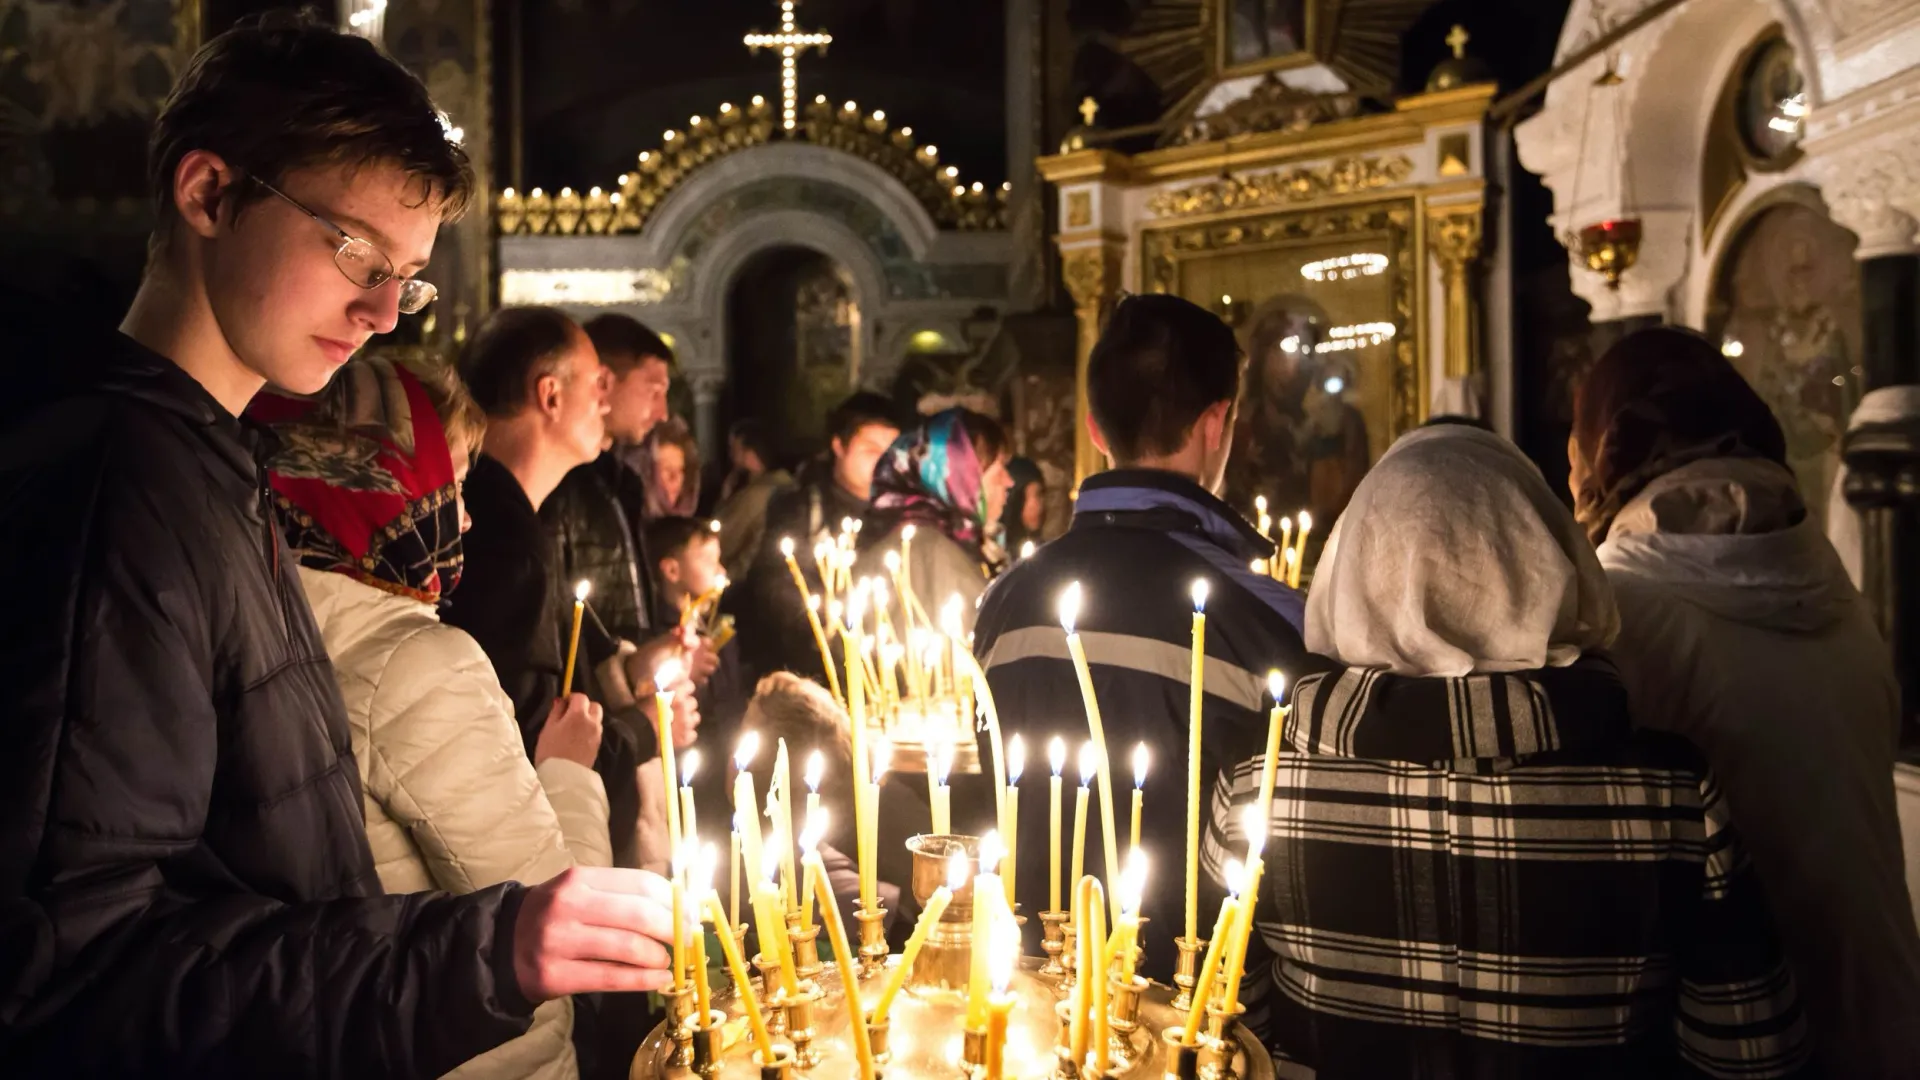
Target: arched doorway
1786, 309
793, 331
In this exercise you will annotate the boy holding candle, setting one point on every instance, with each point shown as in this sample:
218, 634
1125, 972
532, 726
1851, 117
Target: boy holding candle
1162, 384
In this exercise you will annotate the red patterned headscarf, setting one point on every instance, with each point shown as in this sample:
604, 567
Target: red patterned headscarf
363, 481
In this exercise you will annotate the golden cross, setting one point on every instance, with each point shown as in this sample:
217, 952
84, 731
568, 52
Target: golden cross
1457, 38
791, 42
1089, 109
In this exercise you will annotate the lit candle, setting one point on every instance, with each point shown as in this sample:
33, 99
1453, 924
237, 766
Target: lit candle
1300, 547
737, 967
1276, 719
869, 885
1089, 900
816, 767
733, 874
1286, 541
780, 794
746, 807
1196, 694
1288, 567
1001, 959
939, 763
700, 886
957, 868
821, 889
1265, 521
857, 741
1256, 830
813, 616
1087, 767
1026, 549
664, 676
987, 896
1057, 758
1210, 964
810, 839
1069, 612
770, 918
580, 592
1126, 932
1016, 764
1139, 790
688, 766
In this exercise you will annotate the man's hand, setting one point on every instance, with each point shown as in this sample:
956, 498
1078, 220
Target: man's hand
702, 659
594, 929
572, 732
647, 657
686, 714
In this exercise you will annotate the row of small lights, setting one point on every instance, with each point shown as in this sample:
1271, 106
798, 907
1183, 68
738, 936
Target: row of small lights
1345, 267
1344, 338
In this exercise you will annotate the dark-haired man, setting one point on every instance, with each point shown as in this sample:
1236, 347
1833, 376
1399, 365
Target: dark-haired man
1162, 384
828, 490
187, 884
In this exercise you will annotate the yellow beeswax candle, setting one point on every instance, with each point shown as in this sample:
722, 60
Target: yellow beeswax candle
664, 676
1244, 928
580, 592
842, 959
957, 871
987, 898
1069, 613
1016, 764
1210, 964
1057, 758
813, 617
1087, 754
1196, 694
1139, 790
742, 985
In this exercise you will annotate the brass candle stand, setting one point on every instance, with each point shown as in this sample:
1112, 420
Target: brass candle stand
707, 1043
1069, 958
800, 1009
1186, 969
1053, 942
806, 951
680, 1008
873, 940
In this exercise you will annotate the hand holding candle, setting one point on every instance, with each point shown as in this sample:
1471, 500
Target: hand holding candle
580, 592
957, 870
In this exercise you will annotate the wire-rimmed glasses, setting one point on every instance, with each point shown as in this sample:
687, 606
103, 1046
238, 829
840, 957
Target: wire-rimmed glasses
364, 264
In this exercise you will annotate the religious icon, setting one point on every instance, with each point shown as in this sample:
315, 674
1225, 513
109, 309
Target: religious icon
1260, 30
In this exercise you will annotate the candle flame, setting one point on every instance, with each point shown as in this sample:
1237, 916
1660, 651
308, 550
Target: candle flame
786, 547
1200, 595
1133, 882
770, 854
816, 767
1234, 876
1003, 954
739, 820
667, 673
1057, 754
688, 766
582, 589
1139, 765
1260, 503
1089, 763
881, 594
940, 761
882, 757
1070, 607
813, 603
992, 850
907, 532
815, 830
700, 875
1026, 549
1016, 759
822, 549
714, 525
745, 750
848, 524
834, 608
957, 868
1289, 556
1255, 828
891, 560
1306, 521
678, 861
1276, 685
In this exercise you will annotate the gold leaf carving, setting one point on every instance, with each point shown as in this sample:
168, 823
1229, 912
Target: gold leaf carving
1345, 176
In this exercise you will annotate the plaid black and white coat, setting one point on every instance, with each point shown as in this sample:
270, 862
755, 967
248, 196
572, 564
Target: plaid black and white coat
1494, 876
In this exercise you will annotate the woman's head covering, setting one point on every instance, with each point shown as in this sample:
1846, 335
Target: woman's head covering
1659, 399
669, 431
931, 478
1455, 557
363, 480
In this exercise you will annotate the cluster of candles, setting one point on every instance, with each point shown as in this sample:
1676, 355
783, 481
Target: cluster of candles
1290, 551
920, 675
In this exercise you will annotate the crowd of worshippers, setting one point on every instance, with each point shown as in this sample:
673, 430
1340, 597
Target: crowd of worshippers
1582, 784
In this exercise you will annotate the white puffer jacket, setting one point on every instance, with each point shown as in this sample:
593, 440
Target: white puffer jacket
452, 803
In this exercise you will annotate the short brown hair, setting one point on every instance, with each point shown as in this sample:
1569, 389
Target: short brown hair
624, 341
786, 706
285, 92
461, 418
513, 349
1160, 363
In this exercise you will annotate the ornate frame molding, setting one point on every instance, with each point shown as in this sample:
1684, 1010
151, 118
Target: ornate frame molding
1397, 223
1342, 176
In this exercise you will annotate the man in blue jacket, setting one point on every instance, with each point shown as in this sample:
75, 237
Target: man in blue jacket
1162, 384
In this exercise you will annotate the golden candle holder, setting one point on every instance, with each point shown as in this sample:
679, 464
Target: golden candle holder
1217, 1047
1065, 1067
680, 1007
800, 1024
1186, 969
780, 1068
873, 940
739, 944
1069, 958
806, 952
945, 961
1052, 942
772, 994
877, 1040
1183, 1062
1124, 1017
708, 1044
973, 1050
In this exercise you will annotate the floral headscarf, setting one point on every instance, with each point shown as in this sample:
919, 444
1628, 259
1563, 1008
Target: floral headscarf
930, 478
363, 481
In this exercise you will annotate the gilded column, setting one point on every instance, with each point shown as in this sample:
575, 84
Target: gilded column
1454, 235
1091, 271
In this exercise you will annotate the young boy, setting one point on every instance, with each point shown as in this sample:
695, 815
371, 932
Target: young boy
185, 883
686, 563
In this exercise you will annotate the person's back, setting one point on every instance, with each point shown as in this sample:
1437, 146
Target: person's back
1741, 631
1475, 866
1163, 383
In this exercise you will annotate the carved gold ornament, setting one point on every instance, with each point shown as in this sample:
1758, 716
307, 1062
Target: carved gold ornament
1344, 176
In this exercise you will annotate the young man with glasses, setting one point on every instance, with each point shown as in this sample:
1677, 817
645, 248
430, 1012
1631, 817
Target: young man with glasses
185, 883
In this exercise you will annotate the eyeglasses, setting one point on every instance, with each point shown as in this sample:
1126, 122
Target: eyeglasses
362, 263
